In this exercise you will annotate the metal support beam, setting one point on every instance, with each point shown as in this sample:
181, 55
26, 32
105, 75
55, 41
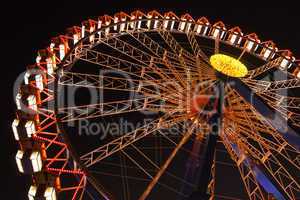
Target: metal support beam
273, 117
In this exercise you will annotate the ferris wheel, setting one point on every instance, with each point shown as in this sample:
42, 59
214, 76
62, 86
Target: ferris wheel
156, 106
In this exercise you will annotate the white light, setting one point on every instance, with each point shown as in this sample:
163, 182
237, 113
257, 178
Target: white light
122, 26
155, 24
172, 25
233, 38
99, 24
26, 78
32, 102
36, 161
51, 65
165, 24
216, 33
222, 34
14, 126
139, 24
39, 81
188, 26
249, 45
18, 101
19, 157
61, 51
149, 22
32, 192
38, 59
205, 30
116, 19
239, 41
30, 128
52, 45
50, 193
181, 26
92, 37
198, 29
107, 30
75, 38
298, 74
82, 31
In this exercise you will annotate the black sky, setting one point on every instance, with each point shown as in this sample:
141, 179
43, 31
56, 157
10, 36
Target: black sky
28, 25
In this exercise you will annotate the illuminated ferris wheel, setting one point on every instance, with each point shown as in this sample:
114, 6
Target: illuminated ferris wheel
156, 106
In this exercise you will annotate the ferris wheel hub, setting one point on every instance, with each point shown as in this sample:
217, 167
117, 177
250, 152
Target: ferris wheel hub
228, 65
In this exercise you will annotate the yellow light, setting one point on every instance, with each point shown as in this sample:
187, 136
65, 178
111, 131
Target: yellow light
228, 65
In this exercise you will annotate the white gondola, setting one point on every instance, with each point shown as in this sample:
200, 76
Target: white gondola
26, 77
42, 193
50, 193
92, 37
19, 157
201, 29
107, 30
29, 162
286, 63
39, 82
38, 60
166, 22
30, 128
99, 25
14, 126
18, 101
36, 161
268, 53
218, 33
235, 39
122, 25
52, 45
184, 26
116, 20
32, 192
61, 51
51, 65
32, 103
152, 23
251, 46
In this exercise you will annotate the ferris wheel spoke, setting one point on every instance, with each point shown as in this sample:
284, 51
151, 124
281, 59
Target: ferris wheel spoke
114, 63
160, 53
282, 176
279, 100
198, 52
107, 82
139, 56
174, 45
273, 143
156, 48
120, 143
272, 86
111, 108
246, 170
163, 168
138, 71
264, 68
253, 125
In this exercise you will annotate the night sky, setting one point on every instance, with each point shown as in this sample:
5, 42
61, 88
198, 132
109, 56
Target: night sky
28, 27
